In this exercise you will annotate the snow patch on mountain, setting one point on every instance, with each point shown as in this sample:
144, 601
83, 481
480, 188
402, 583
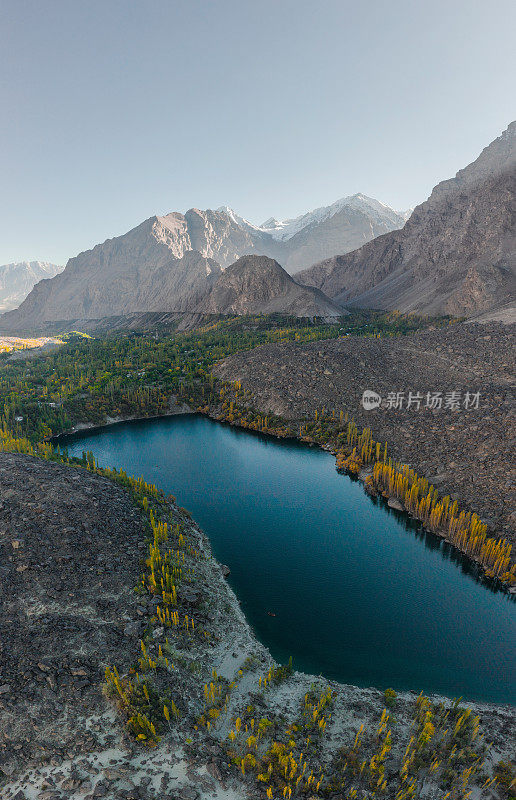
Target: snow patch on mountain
282, 230
358, 202
237, 219
406, 214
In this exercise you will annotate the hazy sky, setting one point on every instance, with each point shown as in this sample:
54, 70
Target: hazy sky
113, 110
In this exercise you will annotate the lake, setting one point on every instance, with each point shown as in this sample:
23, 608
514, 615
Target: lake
349, 588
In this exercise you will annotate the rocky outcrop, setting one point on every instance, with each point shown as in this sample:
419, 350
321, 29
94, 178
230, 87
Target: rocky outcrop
456, 254
72, 546
17, 279
258, 285
214, 234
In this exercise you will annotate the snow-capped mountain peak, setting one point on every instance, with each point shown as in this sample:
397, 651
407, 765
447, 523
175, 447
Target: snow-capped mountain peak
236, 218
296, 242
228, 211
17, 280
283, 230
272, 222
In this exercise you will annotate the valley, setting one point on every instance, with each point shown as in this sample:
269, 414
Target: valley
257, 401
232, 368
13, 344
94, 381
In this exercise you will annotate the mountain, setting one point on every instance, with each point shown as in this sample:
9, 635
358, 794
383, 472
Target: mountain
258, 285
379, 214
17, 279
455, 255
168, 263
135, 272
340, 227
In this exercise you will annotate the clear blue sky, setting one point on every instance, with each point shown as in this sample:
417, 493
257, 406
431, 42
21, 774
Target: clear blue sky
113, 110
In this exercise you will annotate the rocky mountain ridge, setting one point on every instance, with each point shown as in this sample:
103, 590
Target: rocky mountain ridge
131, 273
455, 255
379, 213
18, 278
168, 263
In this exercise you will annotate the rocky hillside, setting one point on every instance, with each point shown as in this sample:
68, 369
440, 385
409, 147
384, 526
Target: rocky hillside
17, 279
258, 285
455, 255
465, 453
169, 263
62, 617
72, 545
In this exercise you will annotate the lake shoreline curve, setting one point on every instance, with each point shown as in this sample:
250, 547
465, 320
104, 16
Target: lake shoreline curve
230, 656
364, 475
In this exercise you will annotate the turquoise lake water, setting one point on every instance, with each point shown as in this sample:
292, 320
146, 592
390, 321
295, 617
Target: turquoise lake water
358, 592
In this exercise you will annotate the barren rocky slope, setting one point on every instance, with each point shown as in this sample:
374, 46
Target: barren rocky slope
455, 255
258, 285
66, 600
135, 272
466, 453
72, 546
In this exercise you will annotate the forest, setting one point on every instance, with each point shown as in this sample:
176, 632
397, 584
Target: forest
135, 373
